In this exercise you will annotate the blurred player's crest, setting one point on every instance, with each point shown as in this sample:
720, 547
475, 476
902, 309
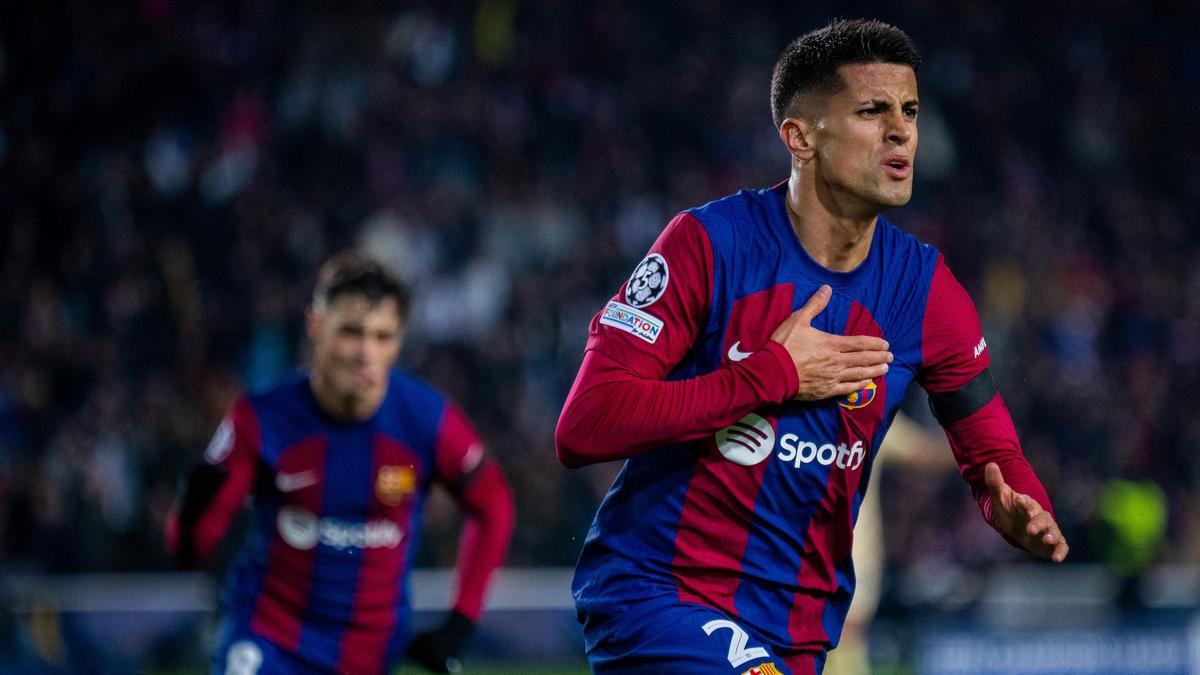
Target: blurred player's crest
859, 399
648, 281
395, 483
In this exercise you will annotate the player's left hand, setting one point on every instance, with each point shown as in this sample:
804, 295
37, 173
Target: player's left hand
1023, 519
439, 649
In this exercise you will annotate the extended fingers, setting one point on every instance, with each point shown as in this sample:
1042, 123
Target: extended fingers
871, 358
860, 343
1052, 544
860, 374
1038, 521
1045, 538
843, 388
1060, 550
1039, 524
1029, 505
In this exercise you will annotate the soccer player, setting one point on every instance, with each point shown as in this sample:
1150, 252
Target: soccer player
748, 370
339, 463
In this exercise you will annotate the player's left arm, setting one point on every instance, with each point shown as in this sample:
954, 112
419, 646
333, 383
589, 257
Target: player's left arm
215, 489
955, 372
483, 494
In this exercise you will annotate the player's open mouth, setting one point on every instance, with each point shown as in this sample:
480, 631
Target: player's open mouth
900, 167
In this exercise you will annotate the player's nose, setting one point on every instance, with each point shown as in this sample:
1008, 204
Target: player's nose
898, 130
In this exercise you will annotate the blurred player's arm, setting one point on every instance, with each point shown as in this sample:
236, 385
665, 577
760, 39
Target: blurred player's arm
621, 405
910, 444
980, 429
214, 489
479, 488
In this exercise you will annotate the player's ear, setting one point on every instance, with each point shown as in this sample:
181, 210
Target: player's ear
312, 322
400, 335
797, 134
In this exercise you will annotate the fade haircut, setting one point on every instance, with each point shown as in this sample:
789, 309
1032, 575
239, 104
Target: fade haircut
810, 63
349, 273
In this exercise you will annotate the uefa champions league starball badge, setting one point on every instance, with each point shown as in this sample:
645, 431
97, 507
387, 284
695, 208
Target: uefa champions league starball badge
648, 281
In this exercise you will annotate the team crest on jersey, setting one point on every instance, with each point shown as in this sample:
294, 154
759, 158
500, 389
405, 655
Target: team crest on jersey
395, 483
648, 281
767, 668
859, 399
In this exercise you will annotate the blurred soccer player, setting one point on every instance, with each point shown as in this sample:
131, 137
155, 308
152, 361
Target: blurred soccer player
339, 463
907, 444
749, 369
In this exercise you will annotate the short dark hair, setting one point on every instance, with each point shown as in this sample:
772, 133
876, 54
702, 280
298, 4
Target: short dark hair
810, 63
349, 273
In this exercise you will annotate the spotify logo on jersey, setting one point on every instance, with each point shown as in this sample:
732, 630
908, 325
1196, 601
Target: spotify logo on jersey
751, 440
298, 528
302, 530
747, 441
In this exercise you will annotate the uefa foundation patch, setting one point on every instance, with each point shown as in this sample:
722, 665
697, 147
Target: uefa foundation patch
634, 321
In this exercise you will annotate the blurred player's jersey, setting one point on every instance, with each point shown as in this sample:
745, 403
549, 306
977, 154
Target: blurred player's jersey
756, 519
337, 515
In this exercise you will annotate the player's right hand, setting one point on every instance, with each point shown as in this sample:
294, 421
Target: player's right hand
1023, 520
829, 365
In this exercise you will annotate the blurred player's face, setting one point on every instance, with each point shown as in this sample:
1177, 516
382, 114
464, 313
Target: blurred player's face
355, 344
866, 137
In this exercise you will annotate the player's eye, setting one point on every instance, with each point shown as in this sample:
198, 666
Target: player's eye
868, 112
910, 113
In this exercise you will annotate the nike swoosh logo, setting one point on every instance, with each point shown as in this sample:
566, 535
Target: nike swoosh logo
736, 354
290, 482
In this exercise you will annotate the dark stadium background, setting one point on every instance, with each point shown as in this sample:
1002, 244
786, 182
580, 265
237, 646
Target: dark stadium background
172, 172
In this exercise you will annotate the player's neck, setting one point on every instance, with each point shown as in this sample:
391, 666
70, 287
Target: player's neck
342, 407
835, 237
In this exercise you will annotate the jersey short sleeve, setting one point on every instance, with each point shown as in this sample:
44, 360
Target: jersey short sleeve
653, 320
459, 453
217, 487
235, 444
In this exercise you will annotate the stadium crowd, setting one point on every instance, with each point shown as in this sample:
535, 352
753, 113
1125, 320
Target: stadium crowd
171, 175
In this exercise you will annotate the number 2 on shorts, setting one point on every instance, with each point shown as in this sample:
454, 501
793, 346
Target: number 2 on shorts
738, 654
244, 658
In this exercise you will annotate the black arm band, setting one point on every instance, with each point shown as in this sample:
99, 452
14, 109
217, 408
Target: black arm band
952, 406
201, 485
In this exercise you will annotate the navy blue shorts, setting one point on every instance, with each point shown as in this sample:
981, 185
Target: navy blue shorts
240, 652
668, 636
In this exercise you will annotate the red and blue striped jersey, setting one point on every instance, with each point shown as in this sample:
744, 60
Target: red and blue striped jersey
734, 495
337, 517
